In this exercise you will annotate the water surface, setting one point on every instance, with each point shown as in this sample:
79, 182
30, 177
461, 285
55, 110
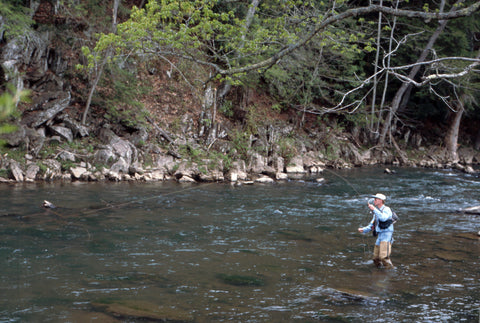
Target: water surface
287, 252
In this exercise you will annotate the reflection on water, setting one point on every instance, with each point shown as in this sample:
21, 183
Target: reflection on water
286, 252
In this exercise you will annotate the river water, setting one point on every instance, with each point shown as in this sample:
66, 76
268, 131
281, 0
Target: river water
287, 252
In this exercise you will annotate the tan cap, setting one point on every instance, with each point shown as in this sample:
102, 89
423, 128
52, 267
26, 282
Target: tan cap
379, 196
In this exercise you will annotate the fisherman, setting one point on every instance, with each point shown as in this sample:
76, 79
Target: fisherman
382, 224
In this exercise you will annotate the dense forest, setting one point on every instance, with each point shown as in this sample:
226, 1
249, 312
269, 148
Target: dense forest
204, 87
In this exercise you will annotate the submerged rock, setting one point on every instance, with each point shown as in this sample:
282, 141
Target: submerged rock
449, 256
143, 311
345, 295
241, 280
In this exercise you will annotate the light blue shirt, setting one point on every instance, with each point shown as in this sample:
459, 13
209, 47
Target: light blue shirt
383, 214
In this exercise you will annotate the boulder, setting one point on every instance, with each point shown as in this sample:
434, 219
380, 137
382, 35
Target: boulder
281, 176
124, 149
296, 165
165, 163
471, 210
51, 106
237, 171
67, 156
279, 164
77, 129
31, 172
186, 169
469, 169
17, 172
104, 156
78, 172
212, 176
120, 166
186, 179
54, 169
63, 132
232, 176
257, 163
264, 180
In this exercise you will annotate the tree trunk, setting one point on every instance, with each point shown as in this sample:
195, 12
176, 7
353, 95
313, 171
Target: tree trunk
404, 89
375, 82
451, 138
116, 3
248, 21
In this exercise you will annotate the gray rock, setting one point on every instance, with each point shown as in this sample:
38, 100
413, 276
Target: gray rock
17, 172
51, 109
78, 172
78, 130
104, 156
120, 166
186, 179
264, 180
63, 132
67, 156
31, 172
296, 165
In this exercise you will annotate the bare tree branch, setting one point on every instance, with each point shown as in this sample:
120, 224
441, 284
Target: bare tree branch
436, 76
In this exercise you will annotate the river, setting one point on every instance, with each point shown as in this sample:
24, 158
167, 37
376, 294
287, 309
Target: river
285, 252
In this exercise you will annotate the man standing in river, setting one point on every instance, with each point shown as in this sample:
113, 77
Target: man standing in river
382, 223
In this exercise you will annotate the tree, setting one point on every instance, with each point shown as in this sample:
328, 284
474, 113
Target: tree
97, 64
210, 34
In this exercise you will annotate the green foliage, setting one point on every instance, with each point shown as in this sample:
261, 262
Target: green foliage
42, 167
5, 173
227, 109
8, 102
206, 30
48, 151
287, 148
16, 18
314, 74
241, 143
220, 36
277, 107
67, 165
119, 93
194, 154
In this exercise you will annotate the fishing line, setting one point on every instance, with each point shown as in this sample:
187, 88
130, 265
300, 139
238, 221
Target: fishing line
343, 178
365, 243
111, 206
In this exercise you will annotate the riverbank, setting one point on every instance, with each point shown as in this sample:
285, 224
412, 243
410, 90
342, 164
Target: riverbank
119, 159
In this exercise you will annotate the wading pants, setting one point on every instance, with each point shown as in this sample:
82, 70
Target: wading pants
381, 254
